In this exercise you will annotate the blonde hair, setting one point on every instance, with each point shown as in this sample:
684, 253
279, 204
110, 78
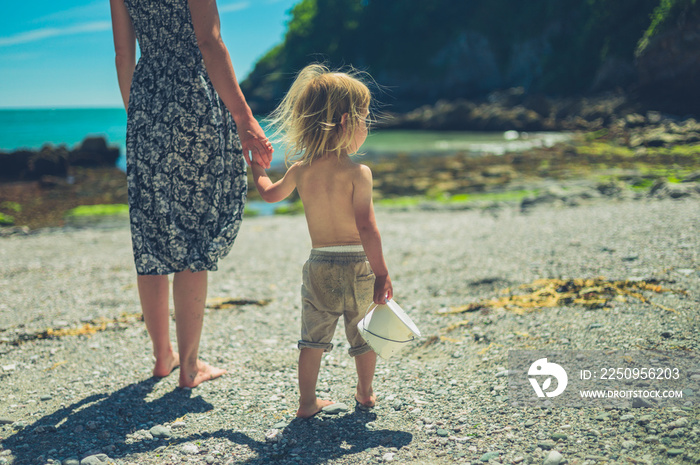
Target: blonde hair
308, 120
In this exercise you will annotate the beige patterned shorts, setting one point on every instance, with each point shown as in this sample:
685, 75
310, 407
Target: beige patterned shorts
337, 281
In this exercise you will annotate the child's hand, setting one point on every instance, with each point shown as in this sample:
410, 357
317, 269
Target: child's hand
383, 290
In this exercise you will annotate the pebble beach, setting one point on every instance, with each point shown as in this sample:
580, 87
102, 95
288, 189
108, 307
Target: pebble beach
75, 359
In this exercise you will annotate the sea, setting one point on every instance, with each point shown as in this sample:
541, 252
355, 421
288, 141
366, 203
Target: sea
34, 128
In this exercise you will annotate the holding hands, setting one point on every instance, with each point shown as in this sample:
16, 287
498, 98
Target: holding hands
256, 147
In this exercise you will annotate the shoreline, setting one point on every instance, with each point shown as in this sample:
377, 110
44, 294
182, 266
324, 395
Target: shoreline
633, 155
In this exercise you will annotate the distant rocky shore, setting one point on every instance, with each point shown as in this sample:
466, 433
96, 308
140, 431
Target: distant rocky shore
56, 161
616, 150
513, 109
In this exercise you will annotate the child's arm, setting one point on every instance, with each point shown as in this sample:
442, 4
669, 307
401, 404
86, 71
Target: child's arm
274, 192
369, 234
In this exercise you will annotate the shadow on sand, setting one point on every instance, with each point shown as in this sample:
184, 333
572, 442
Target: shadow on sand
100, 423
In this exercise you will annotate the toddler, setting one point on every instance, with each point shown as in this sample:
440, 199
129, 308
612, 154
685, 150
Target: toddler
322, 120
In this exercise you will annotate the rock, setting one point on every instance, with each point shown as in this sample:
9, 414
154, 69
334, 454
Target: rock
553, 458
546, 445
335, 409
644, 420
675, 452
442, 432
640, 403
488, 456
388, 457
6, 421
274, 435
71, 461
178, 425
95, 459
160, 431
397, 404
629, 445
189, 448
560, 436
680, 423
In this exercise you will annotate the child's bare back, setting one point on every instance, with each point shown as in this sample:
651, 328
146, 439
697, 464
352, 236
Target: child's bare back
328, 187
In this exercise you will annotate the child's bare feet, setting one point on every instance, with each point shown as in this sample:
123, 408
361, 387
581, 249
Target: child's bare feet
203, 372
165, 365
308, 411
367, 400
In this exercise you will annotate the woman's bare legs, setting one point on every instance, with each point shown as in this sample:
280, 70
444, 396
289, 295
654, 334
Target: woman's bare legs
189, 297
153, 292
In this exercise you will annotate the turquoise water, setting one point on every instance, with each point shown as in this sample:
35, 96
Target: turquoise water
34, 128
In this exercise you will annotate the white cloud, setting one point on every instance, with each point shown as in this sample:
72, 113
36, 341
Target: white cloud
236, 6
49, 32
91, 11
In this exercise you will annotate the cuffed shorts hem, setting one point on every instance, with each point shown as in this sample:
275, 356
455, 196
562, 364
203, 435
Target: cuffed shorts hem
363, 349
327, 347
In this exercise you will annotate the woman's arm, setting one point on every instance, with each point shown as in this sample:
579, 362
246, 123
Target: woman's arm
207, 28
124, 47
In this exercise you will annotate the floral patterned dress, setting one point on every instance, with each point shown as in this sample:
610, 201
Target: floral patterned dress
185, 169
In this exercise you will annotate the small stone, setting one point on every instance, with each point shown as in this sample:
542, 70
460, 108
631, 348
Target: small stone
644, 420
602, 417
189, 448
675, 452
95, 459
640, 403
397, 405
560, 436
178, 425
160, 431
442, 432
274, 435
210, 459
488, 456
280, 425
6, 421
680, 423
71, 461
530, 423
626, 417
9, 368
45, 398
388, 457
335, 409
546, 445
629, 445
553, 458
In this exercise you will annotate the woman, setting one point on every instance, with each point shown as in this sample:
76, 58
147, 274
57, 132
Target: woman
189, 134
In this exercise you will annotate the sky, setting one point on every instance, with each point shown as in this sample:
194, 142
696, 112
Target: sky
60, 54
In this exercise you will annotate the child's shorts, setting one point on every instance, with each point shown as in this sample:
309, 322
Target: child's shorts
337, 281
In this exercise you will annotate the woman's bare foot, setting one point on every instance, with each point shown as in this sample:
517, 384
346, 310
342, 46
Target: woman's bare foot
165, 365
308, 411
203, 372
366, 401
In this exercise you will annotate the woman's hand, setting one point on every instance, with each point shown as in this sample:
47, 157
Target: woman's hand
256, 147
